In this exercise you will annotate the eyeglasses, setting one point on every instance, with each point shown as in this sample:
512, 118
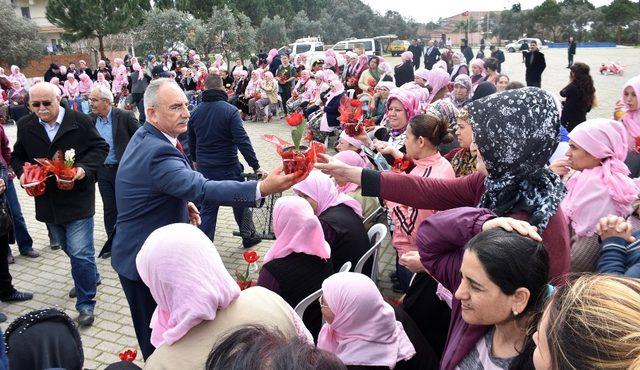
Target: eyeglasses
321, 303
36, 104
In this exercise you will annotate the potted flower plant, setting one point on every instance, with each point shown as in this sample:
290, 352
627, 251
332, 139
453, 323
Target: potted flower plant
34, 178
350, 116
62, 168
296, 158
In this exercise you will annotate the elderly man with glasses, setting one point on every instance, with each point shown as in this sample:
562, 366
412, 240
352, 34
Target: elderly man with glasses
51, 130
116, 126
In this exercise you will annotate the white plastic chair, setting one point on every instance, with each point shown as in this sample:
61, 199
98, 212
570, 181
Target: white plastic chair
346, 267
305, 303
376, 234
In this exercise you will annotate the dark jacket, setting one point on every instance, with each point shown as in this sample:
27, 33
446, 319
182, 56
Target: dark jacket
49, 74
417, 52
76, 132
139, 86
499, 55
344, 231
403, 73
123, 126
431, 58
331, 110
535, 63
216, 134
468, 52
574, 112
572, 48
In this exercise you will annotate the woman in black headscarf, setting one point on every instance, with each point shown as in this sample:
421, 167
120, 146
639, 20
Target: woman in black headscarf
44, 339
483, 90
516, 132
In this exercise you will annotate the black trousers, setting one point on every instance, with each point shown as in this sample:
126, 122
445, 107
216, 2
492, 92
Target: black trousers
141, 305
107, 186
6, 288
138, 101
416, 62
286, 95
570, 60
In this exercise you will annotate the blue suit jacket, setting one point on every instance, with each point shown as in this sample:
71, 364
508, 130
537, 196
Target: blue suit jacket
153, 185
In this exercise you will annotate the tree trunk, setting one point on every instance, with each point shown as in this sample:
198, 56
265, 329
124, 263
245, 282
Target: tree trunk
101, 47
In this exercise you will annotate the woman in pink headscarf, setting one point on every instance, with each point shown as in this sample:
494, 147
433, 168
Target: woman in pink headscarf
268, 98
478, 73
404, 72
120, 79
198, 301
85, 85
16, 75
319, 85
599, 187
252, 93
299, 260
459, 65
628, 111
72, 88
439, 84
369, 204
100, 80
340, 217
365, 332
329, 121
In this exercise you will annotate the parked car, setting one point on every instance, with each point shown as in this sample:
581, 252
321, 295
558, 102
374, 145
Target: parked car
398, 47
371, 46
515, 46
302, 46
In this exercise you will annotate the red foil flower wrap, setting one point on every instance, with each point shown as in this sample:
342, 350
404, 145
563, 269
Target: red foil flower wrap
128, 355
352, 81
64, 174
403, 165
350, 116
35, 177
294, 160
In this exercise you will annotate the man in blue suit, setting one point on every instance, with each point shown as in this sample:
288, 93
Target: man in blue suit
155, 186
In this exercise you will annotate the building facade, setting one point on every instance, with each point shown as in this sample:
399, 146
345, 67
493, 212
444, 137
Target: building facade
36, 11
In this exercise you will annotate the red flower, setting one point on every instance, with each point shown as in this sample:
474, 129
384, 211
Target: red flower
637, 139
403, 164
128, 355
372, 83
250, 256
355, 103
294, 119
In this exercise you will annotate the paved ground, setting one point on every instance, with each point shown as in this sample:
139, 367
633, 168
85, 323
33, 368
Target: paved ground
49, 276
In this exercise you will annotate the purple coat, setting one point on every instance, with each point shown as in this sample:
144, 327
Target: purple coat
441, 241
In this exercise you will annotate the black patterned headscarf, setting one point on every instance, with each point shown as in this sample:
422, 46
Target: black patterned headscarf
516, 132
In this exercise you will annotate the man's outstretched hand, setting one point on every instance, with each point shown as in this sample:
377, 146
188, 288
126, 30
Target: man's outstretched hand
277, 182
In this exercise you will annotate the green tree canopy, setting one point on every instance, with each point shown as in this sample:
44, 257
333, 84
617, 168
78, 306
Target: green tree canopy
19, 38
272, 32
229, 34
619, 14
82, 19
166, 29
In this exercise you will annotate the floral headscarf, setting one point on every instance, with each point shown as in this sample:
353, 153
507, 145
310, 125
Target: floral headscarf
465, 81
516, 132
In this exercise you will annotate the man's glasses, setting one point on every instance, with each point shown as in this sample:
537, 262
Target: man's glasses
36, 104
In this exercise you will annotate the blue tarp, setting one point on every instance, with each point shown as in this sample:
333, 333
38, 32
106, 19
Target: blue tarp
583, 45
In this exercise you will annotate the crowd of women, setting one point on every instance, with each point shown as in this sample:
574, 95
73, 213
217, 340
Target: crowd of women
514, 222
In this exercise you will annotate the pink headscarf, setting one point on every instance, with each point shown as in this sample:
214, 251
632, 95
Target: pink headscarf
330, 62
408, 99
605, 189
63, 70
268, 76
631, 119
297, 230
272, 54
337, 88
353, 159
322, 189
363, 63
479, 63
187, 279
365, 330
438, 79
423, 73
85, 83
407, 56
218, 62
137, 68
118, 61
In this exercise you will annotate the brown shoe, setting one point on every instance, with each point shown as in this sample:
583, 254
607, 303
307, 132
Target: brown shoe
31, 254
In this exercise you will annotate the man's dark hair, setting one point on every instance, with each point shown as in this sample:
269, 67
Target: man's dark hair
213, 82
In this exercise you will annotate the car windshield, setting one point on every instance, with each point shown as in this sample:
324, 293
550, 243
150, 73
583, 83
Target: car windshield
302, 48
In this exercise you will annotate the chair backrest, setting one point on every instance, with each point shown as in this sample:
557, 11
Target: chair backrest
346, 267
304, 304
377, 233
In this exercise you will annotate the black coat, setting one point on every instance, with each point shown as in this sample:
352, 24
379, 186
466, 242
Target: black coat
403, 73
417, 52
431, 58
76, 132
574, 112
572, 48
123, 126
331, 108
535, 63
468, 52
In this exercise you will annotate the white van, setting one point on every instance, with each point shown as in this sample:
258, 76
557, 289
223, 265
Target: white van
371, 46
305, 45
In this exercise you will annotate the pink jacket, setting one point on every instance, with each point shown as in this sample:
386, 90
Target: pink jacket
406, 220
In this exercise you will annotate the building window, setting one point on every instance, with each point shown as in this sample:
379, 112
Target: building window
26, 13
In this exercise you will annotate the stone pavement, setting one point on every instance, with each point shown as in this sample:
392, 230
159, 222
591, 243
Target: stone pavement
49, 276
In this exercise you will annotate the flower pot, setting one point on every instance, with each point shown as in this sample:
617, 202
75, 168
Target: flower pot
35, 189
245, 284
65, 181
300, 160
353, 129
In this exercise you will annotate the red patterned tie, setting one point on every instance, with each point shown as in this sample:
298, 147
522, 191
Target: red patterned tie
179, 146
